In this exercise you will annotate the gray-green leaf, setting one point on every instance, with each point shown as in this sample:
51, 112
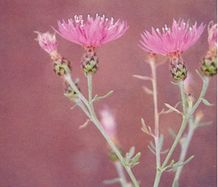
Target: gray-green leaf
206, 102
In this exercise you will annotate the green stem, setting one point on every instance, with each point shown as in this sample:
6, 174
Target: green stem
182, 128
156, 113
186, 118
156, 121
184, 148
89, 79
183, 96
95, 120
121, 174
113, 146
192, 127
178, 136
206, 81
83, 108
88, 104
157, 178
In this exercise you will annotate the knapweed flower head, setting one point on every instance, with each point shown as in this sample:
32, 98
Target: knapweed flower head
92, 32
170, 41
47, 41
212, 35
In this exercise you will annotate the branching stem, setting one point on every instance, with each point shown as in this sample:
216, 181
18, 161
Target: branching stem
186, 117
88, 104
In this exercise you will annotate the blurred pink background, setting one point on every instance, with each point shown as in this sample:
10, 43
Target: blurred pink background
40, 144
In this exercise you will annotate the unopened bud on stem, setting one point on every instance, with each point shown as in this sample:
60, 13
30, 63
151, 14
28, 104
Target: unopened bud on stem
209, 66
70, 93
62, 67
89, 61
178, 69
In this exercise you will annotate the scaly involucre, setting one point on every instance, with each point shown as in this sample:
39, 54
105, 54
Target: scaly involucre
177, 39
93, 32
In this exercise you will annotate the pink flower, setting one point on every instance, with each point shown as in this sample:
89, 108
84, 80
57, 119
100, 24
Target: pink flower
212, 34
108, 122
93, 32
47, 41
171, 40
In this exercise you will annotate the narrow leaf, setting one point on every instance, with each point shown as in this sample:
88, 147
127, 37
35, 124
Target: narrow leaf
205, 124
152, 150
206, 102
97, 98
135, 159
172, 108
179, 164
164, 151
188, 160
147, 90
152, 145
111, 181
169, 110
85, 124
130, 153
199, 74
142, 77
144, 126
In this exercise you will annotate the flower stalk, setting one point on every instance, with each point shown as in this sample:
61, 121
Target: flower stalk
187, 113
156, 112
87, 105
121, 174
185, 143
176, 141
186, 140
98, 125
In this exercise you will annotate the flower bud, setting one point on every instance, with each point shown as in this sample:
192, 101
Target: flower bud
178, 70
70, 93
209, 66
62, 67
89, 61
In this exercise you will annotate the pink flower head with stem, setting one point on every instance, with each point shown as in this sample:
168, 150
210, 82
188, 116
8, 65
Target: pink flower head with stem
47, 41
92, 32
212, 35
171, 41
